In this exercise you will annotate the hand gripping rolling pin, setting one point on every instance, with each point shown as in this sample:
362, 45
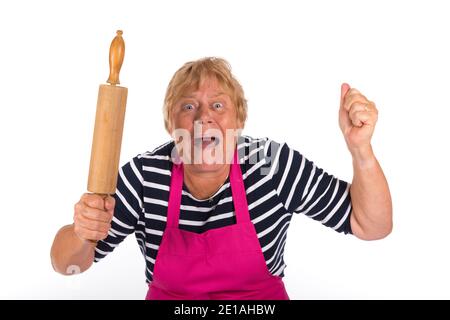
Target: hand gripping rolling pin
109, 119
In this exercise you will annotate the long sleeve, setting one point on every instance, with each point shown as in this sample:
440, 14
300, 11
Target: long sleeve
128, 209
305, 188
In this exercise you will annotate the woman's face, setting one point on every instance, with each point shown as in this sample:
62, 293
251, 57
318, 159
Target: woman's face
205, 127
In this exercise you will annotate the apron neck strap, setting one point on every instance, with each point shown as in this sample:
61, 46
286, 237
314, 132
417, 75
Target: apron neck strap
238, 191
175, 193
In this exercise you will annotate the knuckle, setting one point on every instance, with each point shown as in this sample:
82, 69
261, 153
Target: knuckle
374, 107
90, 213
354, 99
354, 108
97, 225
106, 228
354, 91
100, 235
85, 197
110, 203
92, 200
111, 200
77, 217
78, 229
94, 203
77, 207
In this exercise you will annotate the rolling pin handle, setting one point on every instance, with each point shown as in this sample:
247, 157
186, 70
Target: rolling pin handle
116, 55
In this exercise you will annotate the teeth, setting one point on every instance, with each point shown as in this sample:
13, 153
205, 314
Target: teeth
207, 139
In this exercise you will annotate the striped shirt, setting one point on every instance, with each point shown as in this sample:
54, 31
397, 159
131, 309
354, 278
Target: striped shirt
278, 180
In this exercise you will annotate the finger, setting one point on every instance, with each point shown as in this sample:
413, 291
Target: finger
353, 91
355, 98
361, 118
88, 234
92, 213
92, 225
369, 106
110, 203
345, 87
357, 107
372, 107
97, 215
94, 201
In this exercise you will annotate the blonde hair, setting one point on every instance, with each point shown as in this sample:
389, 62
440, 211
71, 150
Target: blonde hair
191, 75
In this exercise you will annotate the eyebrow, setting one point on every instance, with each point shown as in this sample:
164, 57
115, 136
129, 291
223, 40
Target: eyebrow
213, 96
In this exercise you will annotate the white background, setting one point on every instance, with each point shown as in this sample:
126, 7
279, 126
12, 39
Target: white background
291, 58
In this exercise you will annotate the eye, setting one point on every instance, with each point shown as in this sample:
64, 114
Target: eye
217, 105
188, 106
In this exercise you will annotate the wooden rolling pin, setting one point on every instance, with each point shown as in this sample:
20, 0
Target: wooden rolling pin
109, 120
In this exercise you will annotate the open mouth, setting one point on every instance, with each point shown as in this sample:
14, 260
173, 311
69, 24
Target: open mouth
206, 141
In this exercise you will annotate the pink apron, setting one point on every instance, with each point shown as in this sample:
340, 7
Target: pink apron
220, 264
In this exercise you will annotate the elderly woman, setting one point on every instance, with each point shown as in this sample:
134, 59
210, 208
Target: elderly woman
210, 209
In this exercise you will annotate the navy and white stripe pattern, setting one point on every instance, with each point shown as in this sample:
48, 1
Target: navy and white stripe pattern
279, 181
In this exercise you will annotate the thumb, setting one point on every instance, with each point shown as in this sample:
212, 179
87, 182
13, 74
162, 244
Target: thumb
344, 89
109, 203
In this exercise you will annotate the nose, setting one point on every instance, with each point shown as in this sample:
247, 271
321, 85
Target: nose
203, 115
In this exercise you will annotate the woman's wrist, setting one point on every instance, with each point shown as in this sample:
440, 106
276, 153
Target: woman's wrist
363, 157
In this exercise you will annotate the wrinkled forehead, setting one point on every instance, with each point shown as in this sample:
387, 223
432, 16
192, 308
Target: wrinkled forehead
209, 82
